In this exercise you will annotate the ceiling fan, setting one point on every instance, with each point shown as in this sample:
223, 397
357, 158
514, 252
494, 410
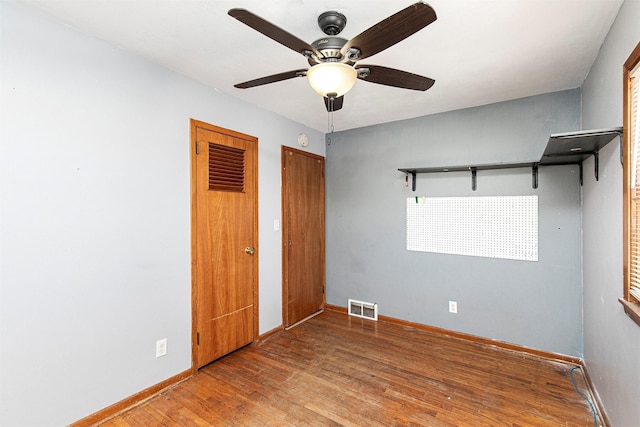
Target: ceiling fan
333, 59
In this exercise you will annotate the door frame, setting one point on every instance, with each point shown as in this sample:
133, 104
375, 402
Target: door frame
193, 148
285, 231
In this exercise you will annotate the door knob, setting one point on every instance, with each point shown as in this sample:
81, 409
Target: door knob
249, 250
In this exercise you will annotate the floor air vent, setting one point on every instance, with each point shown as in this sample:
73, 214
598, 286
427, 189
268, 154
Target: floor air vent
366, 310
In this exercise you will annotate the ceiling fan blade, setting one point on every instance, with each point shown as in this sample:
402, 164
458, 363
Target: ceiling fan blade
274, 32
333, 104
392, 77
271, 79
392, 30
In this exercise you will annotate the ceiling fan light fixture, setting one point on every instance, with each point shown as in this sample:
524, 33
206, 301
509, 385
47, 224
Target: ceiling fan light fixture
333, 78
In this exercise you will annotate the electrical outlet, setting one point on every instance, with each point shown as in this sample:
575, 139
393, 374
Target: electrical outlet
453, 307
161, 347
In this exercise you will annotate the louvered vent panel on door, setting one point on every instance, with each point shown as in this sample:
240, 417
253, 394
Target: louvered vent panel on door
226, 168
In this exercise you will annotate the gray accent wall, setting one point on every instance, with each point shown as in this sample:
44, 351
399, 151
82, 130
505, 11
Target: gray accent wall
95, 261
534, 304
611, 339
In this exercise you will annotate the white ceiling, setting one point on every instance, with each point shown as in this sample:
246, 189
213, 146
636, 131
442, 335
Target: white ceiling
478, 51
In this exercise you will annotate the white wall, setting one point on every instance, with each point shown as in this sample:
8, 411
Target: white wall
95, 217
611, 340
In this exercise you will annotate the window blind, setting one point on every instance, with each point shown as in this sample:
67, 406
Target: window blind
634, 137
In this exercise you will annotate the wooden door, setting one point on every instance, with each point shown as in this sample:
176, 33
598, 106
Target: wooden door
303, 234
224, 241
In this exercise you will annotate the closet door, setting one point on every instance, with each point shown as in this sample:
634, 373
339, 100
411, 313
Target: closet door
303, 234
224, 234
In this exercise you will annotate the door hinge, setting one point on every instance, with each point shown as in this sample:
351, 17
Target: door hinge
198, 338
197, 147
323, 289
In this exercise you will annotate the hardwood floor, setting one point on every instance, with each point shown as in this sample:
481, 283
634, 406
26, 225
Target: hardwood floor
338, 371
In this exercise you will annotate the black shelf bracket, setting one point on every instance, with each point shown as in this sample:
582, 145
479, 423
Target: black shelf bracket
534, 176
474, 179
621, 148
413, 177
581, 176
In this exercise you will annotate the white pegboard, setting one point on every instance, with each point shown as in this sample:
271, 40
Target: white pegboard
494, 227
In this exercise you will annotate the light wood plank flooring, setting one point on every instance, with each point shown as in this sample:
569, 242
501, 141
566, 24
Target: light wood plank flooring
338, 371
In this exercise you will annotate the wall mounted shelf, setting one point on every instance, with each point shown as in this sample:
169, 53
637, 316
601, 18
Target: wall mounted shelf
575, 147
562, 149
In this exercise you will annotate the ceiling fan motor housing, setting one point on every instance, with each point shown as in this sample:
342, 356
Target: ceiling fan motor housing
330, 49
332, 22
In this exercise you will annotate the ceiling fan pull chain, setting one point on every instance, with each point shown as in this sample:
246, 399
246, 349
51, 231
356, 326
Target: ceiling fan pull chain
330, 114
332, 111
331, 120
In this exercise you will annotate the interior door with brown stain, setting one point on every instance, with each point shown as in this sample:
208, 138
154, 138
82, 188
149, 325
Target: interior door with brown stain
224, 241
303, 234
